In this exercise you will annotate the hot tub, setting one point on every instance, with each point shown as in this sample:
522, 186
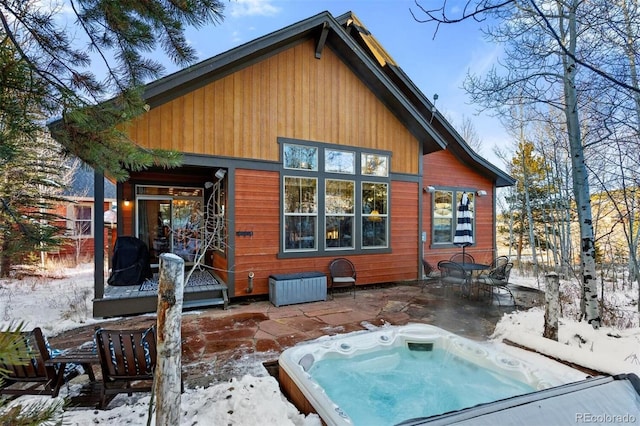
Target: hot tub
392, 374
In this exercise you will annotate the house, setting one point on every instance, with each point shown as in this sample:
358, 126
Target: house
301, 146
78, 213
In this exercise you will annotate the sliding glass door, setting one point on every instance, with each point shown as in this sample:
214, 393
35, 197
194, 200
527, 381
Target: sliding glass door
169, 220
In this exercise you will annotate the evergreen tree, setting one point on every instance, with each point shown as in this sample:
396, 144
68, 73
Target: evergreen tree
46, 72
29, 166
114, 35
527, 201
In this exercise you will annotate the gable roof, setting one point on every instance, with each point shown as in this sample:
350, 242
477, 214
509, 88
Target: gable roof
455, 143
325, 31
355, 45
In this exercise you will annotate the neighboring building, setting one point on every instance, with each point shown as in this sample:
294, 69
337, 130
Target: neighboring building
305, 145
79, 215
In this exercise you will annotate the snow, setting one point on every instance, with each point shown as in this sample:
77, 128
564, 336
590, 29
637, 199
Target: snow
64, 303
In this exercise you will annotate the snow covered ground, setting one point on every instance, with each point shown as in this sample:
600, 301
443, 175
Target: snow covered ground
62, 303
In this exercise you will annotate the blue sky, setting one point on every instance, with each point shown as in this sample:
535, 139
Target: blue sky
435, 65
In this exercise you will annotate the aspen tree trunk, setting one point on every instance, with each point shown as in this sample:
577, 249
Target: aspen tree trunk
168, 381
631, 52
589, 305
552, 306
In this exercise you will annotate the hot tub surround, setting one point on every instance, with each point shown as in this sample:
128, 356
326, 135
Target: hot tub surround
306, 393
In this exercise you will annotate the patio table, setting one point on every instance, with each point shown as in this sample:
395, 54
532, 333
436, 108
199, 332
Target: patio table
474, 268
86, 356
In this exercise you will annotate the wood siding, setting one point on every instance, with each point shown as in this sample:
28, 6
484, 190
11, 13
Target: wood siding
257, 198
290, 95
443, 169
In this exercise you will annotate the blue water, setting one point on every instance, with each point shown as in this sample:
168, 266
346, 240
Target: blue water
389, 386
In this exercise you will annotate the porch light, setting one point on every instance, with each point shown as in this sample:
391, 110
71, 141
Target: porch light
430, 189
126, 202
482, 193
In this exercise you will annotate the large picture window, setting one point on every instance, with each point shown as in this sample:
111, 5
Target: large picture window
445, 214
336, 195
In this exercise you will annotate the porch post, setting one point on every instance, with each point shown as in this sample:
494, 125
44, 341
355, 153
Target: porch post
98, 234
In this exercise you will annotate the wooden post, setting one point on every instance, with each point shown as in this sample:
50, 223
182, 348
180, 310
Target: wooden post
552, 306
168, 374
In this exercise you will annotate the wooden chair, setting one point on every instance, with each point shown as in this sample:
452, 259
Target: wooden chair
127, 359
343, 274
430, 274
25, 365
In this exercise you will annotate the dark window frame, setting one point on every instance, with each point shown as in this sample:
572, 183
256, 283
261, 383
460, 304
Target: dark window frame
457, 195
321, 249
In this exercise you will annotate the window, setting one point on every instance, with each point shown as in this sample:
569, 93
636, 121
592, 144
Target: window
374, 214
81, 220
334, 194
339, 161
374, 165
339, 213
300, 157
300, 213
444, 214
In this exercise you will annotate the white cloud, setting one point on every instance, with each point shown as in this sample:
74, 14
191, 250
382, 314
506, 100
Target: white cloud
240, 8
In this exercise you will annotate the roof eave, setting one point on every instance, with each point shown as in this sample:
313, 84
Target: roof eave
460, 148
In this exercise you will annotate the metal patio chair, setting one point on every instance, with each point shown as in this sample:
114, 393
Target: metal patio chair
343, 274
453, 274
498, 278
430, 274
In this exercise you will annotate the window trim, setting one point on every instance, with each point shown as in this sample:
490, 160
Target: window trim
322, 175
312, 214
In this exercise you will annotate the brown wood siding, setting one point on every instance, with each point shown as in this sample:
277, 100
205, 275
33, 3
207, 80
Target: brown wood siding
444, 169
292, 95
257, 209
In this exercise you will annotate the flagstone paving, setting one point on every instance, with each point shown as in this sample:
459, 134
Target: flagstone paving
219, 344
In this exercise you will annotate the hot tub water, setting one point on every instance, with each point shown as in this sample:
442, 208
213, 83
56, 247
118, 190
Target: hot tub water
392, 374
389, 386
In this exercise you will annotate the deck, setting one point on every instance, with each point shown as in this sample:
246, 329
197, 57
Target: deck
203, 289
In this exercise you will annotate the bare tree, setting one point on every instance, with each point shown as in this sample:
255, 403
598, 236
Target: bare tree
545, 47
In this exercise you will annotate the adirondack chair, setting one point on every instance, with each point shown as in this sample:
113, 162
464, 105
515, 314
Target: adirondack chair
26, 367
127, 359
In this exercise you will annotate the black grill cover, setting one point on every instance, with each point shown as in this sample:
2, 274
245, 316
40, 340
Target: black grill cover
130, 264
